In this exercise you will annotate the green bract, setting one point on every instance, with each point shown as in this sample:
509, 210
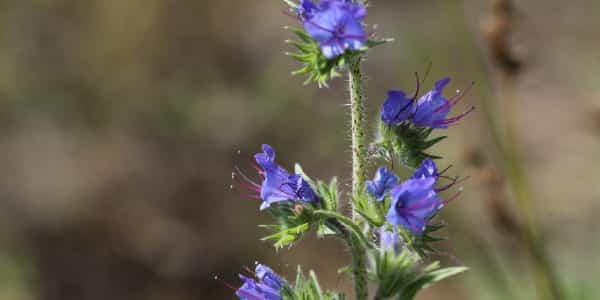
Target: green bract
318, 68
405, 142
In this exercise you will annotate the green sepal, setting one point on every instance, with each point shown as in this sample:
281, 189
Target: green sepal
308, 288
422, 244
350, 225
427, 279
293, 222
402, 273
371, 210
405, 142
316, 66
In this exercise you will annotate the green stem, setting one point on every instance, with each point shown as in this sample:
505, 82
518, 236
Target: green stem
357, 104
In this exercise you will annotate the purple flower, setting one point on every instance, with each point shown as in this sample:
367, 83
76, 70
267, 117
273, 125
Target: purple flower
414, 202
390, 240
268, 277
277, 184
383, 182
268, 286
432, 109
397, 108
335, 24
428, 169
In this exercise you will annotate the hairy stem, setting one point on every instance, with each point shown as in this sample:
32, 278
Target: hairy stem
357, 99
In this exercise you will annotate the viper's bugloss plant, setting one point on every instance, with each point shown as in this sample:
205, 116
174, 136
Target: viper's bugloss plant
392, 221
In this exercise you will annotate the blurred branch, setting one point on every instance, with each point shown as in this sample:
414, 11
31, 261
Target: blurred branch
497, 29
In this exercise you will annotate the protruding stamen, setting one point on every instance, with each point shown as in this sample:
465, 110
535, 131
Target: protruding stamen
451, 199
246, 178
247, 269
444, 171
462, 95
454, 181
455, 119
291, 15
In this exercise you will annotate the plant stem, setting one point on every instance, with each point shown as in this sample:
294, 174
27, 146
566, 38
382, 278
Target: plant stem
357, 111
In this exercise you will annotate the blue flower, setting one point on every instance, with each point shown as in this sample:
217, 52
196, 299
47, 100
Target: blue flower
432, 109
335, 24
383, 182
397, 108
277, 184
427, 169
414, 202
390, 240
253, 290
268, 277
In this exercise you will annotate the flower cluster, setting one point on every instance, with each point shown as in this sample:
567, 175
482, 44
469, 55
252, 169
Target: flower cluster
415, 200
401, 211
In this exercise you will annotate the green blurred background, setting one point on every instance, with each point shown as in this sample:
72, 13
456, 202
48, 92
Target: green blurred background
121, 121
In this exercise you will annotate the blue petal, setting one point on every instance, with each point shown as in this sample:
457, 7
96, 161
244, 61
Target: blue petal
433, 107
397, 108
268, 277
383, 182
302, 190
413, 203
249, 290
390, 240
275, 186
426, 170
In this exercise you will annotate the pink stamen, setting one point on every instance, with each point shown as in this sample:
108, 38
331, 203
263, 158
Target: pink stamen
291, 15
455, 119
246, 177
451, 199
462, 95
247, 269
247, 185
228, 285
444, 171
236, 289
253, 197
454, 181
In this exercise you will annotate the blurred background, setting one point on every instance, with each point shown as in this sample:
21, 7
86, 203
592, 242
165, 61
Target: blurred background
121, 121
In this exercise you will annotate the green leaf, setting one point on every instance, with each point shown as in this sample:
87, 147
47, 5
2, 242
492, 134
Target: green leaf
350, 225
428, 279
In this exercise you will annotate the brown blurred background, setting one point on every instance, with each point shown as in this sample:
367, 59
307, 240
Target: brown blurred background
120, 121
